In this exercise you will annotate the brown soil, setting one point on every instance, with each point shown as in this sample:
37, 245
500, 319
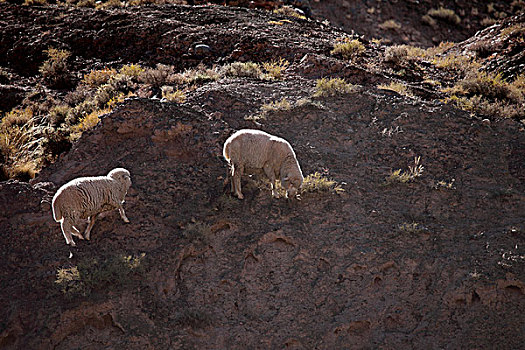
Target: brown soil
380, 265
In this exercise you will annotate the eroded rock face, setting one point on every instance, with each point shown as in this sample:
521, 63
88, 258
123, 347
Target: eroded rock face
323, 272
432, 263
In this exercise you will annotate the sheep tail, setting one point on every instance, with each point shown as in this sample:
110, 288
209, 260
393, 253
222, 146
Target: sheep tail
226, 151
57, 213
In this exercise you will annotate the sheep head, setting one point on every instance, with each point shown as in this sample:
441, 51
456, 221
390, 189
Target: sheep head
121, 175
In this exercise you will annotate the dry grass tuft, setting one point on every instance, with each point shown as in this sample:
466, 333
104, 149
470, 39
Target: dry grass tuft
242, 69
275, 69
441, 14
414, 171
489, 94
55, 70
390, 25
400, 88
276, 106
316, 182
411, 227
397, 54
173, 95
288, 11
332, 87
348, 48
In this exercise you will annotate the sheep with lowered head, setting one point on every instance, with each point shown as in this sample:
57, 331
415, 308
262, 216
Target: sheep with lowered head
87, 197
256, 149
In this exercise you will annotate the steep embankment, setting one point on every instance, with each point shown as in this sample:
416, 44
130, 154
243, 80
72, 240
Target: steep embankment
436, 262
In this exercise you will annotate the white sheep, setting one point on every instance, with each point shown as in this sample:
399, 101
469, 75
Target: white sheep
87, 197
255, 149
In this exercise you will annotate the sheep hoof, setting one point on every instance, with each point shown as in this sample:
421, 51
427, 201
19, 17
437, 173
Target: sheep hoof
126, 220
240, 196
73, 244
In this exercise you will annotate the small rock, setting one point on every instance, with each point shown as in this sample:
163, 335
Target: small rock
201, 50
485, 122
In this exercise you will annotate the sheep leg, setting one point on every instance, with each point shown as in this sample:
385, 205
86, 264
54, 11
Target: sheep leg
122, 213
230, 177
237, 174
91, 219
271, 175
75, 232
67, 228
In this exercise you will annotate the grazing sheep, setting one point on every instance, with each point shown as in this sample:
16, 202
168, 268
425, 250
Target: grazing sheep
255, 149
86, 197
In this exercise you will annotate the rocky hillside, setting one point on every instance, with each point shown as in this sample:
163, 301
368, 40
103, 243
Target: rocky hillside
409, 232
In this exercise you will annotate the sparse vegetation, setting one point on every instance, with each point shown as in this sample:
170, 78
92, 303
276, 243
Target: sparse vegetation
199, 75
95, 78
442, 14
488, 94
445, 184
55, 69
455, 62
242, 69
276, 106
348, 48
317, 182
275, 69
173, 95
21, 144
396, 54
332, 87
197, 231
414, 171
158, 76
289, 11
400, 88
92, 274
390, 25
410, 227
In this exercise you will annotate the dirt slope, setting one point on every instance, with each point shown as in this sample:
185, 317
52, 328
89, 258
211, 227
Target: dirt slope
422, 264
404, 21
